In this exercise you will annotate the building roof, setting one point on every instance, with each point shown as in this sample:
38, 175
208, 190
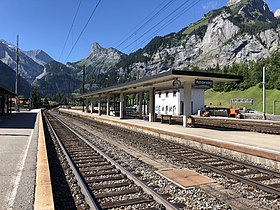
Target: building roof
5, 92
162, 81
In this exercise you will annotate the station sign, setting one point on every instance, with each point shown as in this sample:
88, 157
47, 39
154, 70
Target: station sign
242, 100
203, 84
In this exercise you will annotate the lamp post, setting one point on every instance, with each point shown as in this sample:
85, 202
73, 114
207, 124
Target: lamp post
264, 94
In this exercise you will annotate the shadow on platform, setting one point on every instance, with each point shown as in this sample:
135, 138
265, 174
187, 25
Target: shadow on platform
18, 120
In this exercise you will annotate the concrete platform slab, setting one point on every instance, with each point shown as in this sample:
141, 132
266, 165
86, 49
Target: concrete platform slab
184, 177
18, 148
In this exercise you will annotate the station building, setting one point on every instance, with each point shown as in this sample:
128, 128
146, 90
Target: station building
5, 100
171, 102
174, 92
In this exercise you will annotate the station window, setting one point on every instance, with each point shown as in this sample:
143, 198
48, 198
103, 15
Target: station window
166, 94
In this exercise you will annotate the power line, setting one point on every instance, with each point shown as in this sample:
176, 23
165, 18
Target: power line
188, 7
84, 28
174, 11
146, 22
137, 29
70, 29
170, 21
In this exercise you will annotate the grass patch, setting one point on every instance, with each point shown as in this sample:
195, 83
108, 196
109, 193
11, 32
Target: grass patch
222, 99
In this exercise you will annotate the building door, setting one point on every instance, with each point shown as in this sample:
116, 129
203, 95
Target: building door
182, 108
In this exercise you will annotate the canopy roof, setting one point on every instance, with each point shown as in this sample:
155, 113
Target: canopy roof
162, 81
5, 92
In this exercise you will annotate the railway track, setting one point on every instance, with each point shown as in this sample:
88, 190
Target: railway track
248, 125
103, 181
258, 177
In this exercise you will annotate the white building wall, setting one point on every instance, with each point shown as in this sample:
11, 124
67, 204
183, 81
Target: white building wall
198, 100
172, 103
166, 102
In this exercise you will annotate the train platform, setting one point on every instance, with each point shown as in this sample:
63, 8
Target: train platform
252, 146
19, 134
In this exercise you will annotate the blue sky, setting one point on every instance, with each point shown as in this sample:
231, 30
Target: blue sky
44, 24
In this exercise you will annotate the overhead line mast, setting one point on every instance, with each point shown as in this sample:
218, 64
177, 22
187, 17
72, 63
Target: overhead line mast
17, 77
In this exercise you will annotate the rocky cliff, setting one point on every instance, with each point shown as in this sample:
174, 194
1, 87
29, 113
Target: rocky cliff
31, 63
242, 31
7, 80
100, 59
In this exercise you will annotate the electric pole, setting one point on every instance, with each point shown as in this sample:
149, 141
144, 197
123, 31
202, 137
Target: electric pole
17, 77
264, 94
83, 89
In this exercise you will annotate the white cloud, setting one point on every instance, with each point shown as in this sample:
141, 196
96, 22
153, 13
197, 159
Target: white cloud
210, 5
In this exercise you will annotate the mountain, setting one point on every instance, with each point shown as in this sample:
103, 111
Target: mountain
31, 63
8, 78
100, 59
241, 31
277, 14
57, 79
39, 56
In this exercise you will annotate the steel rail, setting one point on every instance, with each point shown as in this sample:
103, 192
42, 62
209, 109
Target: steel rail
248, 181
156, 196
88, 197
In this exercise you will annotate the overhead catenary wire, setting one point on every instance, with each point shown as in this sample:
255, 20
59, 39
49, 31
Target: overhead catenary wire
84, 28
193, 3
164, 19
174, 15
148, 21
159, 9
71, 28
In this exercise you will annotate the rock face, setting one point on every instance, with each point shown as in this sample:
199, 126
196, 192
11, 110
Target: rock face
56, 79
101, 59
7, 80
31, 63
39, 56
232, 2
277, 14
242, 31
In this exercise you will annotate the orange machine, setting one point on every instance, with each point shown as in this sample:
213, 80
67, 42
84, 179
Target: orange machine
233, 112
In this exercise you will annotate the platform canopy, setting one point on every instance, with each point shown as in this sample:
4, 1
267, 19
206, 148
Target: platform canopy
5, 92
162, 81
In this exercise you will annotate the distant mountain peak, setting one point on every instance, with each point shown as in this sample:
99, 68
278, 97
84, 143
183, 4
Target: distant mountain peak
39, 56
277, 14
232, 2
96, 47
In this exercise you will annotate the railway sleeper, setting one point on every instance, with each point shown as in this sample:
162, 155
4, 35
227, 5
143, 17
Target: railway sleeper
133, 201
114, 185
115, 178
90, 157
220, 164
246, 173
83, 161
89, 169
100, 173
92, 164
262, 178
275, 185
234, 168
116, 193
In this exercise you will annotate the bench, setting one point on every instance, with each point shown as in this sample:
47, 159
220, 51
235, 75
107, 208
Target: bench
168, 116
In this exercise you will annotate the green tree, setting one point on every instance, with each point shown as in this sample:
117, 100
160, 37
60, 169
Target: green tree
35, 99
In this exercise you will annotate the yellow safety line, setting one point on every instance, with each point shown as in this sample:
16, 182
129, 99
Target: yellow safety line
43, 190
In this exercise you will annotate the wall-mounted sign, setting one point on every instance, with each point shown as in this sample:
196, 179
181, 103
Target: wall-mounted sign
203, 84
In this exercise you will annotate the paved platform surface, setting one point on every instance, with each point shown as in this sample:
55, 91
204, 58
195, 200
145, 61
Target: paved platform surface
18, 151
256, 141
